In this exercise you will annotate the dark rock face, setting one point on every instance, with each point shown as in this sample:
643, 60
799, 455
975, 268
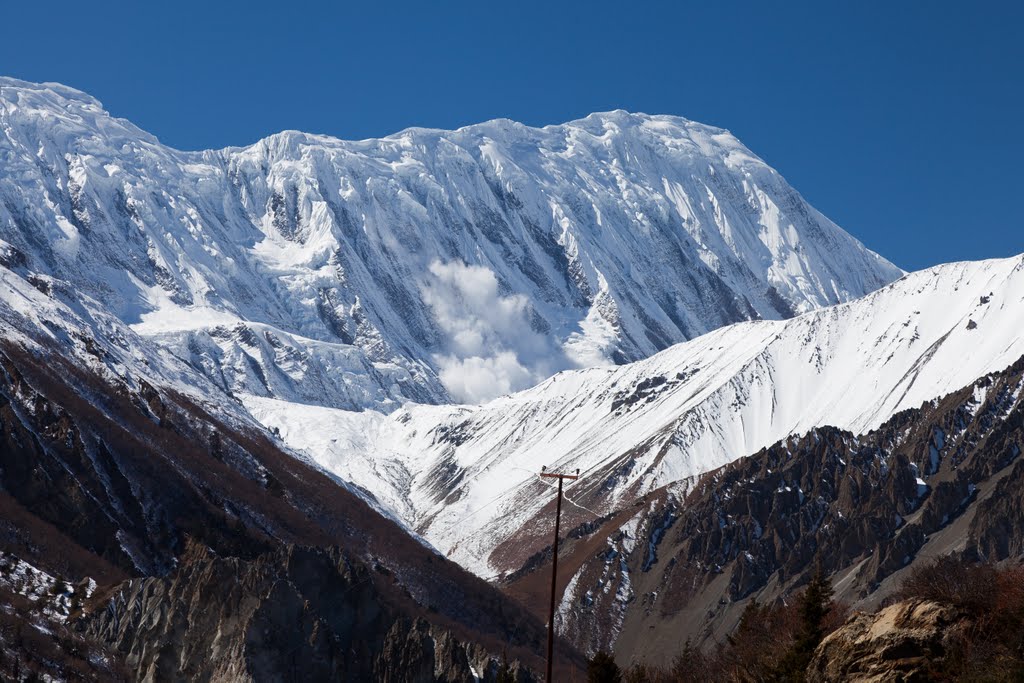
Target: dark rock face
415, 651
293, 614
241, 561
70, 464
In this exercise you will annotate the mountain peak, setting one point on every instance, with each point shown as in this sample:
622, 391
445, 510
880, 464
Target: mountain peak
54, 91
59, 111
429, 265
81, 111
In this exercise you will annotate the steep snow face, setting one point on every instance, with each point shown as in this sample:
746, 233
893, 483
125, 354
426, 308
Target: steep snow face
466, 476
428, 265
45, 316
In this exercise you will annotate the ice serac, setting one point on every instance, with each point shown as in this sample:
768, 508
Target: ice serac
466, 476
428, 265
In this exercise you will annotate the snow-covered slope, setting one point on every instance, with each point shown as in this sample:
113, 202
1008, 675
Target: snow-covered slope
466, 476
428, 265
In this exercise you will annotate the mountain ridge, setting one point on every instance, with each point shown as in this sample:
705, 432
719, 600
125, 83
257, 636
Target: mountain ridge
305, 328
666, 419
427, 265
72, 92
868, 508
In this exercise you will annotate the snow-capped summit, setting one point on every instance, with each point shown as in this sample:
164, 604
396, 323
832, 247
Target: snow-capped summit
427, 265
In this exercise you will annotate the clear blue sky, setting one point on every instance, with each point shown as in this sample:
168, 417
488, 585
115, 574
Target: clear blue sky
902, 121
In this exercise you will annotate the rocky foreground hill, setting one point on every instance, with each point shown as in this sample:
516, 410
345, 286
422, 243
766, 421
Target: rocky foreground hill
951, 619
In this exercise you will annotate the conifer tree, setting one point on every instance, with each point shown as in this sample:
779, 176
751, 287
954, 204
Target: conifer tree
815, 604
603, 669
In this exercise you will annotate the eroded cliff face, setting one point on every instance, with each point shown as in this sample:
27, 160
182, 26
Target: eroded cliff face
298, 613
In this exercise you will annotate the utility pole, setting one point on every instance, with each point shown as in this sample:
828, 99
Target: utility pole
554, 562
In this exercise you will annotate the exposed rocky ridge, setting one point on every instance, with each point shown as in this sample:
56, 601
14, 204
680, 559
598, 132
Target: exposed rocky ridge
112, 480
293, 614
942, 478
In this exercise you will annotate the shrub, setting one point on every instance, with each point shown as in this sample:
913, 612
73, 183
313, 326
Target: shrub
952, 581
991, 646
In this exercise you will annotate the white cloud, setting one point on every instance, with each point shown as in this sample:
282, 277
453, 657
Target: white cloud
490, 347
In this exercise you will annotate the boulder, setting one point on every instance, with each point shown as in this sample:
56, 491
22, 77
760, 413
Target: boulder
899, 644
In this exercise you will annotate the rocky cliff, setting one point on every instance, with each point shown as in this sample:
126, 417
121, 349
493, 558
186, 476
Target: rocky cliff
297, 613
900, 644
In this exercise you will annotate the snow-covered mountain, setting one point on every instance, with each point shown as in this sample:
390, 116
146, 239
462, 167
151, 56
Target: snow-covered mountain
433, 317
466, 476
428, 265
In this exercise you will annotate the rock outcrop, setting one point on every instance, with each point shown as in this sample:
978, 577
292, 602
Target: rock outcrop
899, 644
218, 555
294, 614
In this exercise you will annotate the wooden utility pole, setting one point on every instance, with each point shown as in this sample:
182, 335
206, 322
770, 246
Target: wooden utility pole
554, 563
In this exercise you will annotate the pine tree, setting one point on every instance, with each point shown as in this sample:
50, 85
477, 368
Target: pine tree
691, 664
749, 620
815, 604
603, 669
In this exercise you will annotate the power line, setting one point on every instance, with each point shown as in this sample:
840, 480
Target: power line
479, 509
566, 496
